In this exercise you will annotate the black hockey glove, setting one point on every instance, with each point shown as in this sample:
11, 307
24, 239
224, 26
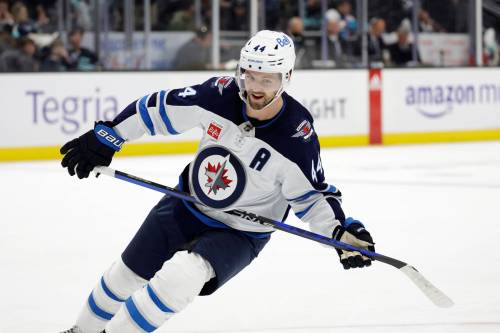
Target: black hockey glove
94, 148
354, 233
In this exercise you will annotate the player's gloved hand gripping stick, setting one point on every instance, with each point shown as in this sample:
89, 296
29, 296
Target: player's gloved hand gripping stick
433, 293
95, 147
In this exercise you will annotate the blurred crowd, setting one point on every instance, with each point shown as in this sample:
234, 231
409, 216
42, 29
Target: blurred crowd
30, 42
390, 40
30, 38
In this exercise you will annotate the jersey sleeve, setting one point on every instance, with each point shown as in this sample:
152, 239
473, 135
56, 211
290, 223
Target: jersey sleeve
311, 198
165, 112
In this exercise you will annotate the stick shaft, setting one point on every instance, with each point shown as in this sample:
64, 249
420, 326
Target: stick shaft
433, 293
250, 216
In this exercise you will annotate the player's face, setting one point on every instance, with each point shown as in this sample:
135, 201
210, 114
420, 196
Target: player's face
261, 88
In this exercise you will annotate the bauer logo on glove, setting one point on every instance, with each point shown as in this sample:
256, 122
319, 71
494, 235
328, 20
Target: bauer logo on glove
94, 148
107, 136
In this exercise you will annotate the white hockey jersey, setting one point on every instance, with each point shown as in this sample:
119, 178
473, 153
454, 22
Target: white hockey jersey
263, 167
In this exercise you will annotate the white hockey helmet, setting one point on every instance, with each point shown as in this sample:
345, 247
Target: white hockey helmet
268, 52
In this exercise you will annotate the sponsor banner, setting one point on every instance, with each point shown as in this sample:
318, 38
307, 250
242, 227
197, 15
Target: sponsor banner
48, 109
337, 100
441, 100
443, 49
40, 110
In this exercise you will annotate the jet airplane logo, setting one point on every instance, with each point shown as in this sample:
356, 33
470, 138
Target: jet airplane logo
217, 178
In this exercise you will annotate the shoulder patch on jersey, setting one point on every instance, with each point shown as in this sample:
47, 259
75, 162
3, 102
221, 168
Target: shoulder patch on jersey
223, 82
304, 131
218, 177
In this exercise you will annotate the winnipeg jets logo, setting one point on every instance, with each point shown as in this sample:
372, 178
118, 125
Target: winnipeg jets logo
304, 131
222, 83
217, 178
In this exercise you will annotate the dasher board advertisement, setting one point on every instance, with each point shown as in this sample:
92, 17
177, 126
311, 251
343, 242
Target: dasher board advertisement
441, 100
49, 109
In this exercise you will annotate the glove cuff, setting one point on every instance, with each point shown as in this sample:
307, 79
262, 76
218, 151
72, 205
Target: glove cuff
108, 136
348, 221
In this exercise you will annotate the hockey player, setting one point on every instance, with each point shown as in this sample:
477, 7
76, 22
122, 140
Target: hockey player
259, 153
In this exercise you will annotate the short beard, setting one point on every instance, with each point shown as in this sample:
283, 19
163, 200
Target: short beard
257, 107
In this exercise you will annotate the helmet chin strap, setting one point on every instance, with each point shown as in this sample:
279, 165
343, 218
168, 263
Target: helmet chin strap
244, 98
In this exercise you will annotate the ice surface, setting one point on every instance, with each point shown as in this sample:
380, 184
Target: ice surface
436, 207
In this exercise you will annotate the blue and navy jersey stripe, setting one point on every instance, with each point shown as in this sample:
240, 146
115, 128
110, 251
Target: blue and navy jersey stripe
143, 112
163, 114
302, 213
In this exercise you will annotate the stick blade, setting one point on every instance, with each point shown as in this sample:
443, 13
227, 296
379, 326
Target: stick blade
434, 294
104, 170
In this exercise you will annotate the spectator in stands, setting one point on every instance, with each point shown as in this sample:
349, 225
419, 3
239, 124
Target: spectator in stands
23, 24
336, 45
349, 32
196, 53
116, 10
491, 53
6, 40
20, 59
392, 11
82, 17
452, 15
58, 58
304, 48
377, 49
81, 58
43, 22
491, 19
402, 51
314, 17
6, 17
238, 19
427, 24
184, 18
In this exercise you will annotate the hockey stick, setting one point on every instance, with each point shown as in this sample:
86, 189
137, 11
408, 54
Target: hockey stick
433, 293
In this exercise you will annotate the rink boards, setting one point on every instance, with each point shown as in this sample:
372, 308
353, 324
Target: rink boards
350, 107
